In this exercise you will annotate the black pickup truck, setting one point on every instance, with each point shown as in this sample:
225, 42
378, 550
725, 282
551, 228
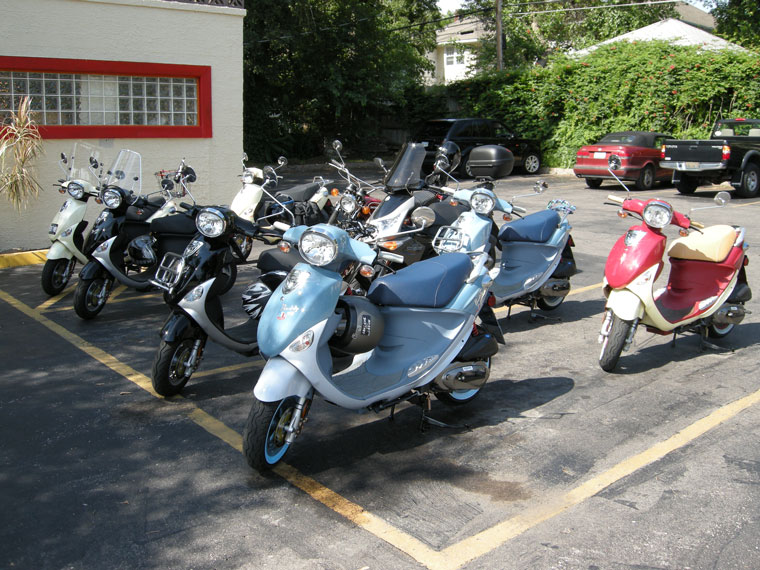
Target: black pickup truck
731, 154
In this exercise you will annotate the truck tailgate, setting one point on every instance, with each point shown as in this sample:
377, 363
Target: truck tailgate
693, 151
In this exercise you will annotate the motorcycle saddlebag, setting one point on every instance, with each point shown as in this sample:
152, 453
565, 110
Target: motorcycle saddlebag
491, 161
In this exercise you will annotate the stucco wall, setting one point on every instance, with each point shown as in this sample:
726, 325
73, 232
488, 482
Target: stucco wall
151, 31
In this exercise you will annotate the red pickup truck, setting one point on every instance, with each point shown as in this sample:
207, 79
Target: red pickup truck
731, 154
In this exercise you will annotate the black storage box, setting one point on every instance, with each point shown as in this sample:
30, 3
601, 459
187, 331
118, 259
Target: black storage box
491, 161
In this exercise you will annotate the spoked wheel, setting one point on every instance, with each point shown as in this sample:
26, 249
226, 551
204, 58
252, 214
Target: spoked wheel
90, 296
549, 303
719, 331
56, 274
245, 244
612, 346
264, 434
461, 397
172, 367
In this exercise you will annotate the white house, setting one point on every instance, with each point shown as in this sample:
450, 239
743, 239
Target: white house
160, 77
454, 55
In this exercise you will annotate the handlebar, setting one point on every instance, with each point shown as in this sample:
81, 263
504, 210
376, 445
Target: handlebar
698, 225
616, 199
519, 210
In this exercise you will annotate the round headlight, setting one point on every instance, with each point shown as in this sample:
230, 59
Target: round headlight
348, 204
482, 203
658, 214
247, 177
210, 222
111, 198
75, 190
317, 249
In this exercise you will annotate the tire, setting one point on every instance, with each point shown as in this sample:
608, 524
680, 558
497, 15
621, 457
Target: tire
88, 301
750, 181
687, 185
56, 274
245, 244
594, 183
531, 163
645, 180
460, 397
717, 331
612, 346
227, 277
169, 373
264, 442
549, 303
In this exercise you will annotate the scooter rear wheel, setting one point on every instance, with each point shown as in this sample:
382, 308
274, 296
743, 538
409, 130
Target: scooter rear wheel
90, 297
549, 303
715, 331
460, 397
264, 443
170, 366
613, 344
56, 274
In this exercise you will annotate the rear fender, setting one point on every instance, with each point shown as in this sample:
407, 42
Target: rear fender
280, 379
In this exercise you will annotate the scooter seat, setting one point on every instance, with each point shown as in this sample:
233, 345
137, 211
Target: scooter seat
711, 244
537, 227
174, 224
430, 283
298, 193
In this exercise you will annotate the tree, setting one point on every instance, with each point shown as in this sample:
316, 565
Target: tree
534, 30
738, 21
316, 69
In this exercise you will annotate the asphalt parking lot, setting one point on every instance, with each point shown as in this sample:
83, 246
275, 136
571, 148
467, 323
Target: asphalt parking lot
557, 464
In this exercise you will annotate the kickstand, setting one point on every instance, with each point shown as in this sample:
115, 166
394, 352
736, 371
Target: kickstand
673, 342
534, 316
392, 417
706, 344
426, 419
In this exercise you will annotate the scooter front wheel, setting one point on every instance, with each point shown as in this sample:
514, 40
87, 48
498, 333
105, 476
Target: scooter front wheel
172, 367
612, 346
56, 274
90, 297
264, 434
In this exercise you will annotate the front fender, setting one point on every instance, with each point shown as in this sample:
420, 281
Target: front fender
59, 251
177, 326
92, 270
280, 379
625, 304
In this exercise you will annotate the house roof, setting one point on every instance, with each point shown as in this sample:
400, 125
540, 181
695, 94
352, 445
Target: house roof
672, 30
465, 30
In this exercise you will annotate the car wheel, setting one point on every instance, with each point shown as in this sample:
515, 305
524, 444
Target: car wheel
593, 183
645, 180
687, 185
750, 181
532, 163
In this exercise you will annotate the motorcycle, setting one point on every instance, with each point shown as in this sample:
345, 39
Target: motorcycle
134, 232
706, 288
68, 232
413, 335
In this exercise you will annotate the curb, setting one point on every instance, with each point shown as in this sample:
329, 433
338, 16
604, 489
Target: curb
23, 258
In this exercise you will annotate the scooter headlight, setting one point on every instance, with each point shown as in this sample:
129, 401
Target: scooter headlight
111, 198
657, 214
318, 249
348, 204
482, 203
248, 177
75, 190
210, 222
384, 225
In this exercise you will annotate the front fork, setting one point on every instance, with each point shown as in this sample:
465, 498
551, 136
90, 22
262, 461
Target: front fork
607, 326
298, 419
194, 359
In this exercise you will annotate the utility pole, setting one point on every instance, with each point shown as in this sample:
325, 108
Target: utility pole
499, 55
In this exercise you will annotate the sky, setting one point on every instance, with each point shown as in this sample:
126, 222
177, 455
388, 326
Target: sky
446, 5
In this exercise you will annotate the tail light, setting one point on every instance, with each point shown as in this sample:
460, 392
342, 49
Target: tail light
662, 152
726, 152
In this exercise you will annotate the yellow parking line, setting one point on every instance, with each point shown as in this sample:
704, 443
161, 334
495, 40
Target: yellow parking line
225, 369
53, 300
455, 555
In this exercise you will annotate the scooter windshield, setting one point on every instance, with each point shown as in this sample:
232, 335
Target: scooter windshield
80, 162
126, 170
406, 169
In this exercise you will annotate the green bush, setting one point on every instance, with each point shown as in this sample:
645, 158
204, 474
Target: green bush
623, 86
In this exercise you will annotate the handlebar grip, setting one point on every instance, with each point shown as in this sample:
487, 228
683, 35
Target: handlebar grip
698, 225
186, 206
615, 199
519, 210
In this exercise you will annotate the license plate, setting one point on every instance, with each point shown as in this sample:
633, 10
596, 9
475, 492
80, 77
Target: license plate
692, 165
53, 229
600, 155
424, 144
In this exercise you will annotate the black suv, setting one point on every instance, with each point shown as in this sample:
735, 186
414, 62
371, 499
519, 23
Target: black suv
469, 133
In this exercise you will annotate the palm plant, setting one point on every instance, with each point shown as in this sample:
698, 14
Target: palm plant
20, 145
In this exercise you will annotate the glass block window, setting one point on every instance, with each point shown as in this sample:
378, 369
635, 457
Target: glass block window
73, 99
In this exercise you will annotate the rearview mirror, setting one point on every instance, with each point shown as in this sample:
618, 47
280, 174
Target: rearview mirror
614, 162
722, 198
423, 217
337, 145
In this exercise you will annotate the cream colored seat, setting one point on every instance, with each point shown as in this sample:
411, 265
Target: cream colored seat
711, 244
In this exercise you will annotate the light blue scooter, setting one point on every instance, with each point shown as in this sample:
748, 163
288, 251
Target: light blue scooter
413, 335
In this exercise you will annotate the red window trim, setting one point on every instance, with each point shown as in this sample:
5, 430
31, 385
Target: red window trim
88, 66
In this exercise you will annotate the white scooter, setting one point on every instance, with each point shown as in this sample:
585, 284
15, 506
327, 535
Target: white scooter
68, 231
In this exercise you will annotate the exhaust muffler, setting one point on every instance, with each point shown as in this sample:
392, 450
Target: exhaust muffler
464, 376
729, 314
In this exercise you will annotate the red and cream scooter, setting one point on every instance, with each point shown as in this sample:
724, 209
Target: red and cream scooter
706, 288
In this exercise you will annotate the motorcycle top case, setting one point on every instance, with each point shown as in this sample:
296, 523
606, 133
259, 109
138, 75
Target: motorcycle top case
490, 160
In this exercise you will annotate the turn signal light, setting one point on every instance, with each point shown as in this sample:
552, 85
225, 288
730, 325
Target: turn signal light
284, 246
507, 218
367, 271
622, 214
366, 210
454, 202
334, 192
391, 245
683, 233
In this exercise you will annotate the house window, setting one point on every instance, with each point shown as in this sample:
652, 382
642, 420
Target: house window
96, 99
454, 56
